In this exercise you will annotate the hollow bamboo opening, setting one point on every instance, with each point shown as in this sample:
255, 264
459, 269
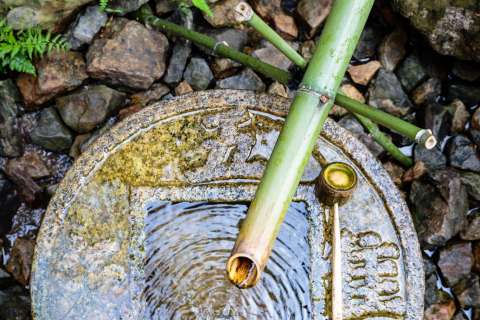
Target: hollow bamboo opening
243, 271
336, 183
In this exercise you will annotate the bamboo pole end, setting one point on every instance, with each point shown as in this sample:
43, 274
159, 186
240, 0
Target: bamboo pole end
243, 271
243, 12
426, 138
336, 183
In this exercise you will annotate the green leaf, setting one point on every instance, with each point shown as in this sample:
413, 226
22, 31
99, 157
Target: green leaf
202, 5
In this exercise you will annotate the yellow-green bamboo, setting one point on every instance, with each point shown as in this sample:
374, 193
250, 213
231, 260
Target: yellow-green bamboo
294, 146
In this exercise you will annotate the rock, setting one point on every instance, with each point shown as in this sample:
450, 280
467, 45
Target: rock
439, 214
451, 27
57, 73
351, 124
223, 14
10, 138
418, 170
434, 295
440, 311
245, 80
427, 91
386, 93
10, 202
367, 45
433, 159
276, 88
395, 171
476, 255
15, 303
476, 119
466, 70
285, 25
460, 116
224, 67
86, 108
45, 14
163, 7
269, 54
392, 49
183, 88
75, 149
198, 74
154, 94
123, 7
462, 154
31, 164
51, 133
411, 73
449, 259
469, 94
438, 119
178, 60
21, 260
471, 181
236, 39
472, 229
468, 291
127, 54
307, 48
363, 73
86, 26
314, 12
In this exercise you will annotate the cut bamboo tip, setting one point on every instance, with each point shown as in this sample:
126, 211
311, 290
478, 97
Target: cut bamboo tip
243, 271
426, 138
336, 183
243, 12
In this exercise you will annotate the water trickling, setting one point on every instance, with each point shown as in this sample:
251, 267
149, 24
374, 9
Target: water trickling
187, 246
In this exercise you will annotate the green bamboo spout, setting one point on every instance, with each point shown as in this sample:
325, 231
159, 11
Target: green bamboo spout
294, 146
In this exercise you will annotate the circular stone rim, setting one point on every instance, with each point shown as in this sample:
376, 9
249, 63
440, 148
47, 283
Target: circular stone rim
97, 153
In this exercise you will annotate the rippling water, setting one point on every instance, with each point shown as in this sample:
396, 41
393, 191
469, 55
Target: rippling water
187, 247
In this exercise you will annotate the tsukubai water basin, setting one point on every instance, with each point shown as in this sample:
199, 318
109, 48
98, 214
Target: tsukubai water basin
142, 225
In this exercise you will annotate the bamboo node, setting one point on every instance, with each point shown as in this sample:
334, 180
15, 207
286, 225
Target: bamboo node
243, 12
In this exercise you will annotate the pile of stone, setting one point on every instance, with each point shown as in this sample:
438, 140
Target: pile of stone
117, 66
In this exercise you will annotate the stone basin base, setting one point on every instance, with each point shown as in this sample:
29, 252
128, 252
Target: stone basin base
212, 146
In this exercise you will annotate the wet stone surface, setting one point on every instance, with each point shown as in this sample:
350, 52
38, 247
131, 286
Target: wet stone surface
105, 236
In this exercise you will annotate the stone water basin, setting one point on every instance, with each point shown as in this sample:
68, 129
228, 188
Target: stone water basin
142, 225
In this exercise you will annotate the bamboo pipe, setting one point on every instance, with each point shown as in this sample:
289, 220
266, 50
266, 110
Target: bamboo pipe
313, 101
417, 134
244, 13
335, 186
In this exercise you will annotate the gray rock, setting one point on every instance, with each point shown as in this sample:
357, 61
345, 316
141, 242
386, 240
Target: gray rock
386, 93
86, 108
10, 139
367, 45
314, 12
236, 39
471, 180
198, 74
51, 133
439, 214
178, 60
450, 26
269, 54
449, 262
462, 154
86, 27
10, 202
127, 54
411, 73
15, 303
427, 92
466, 70
438, 119
468, 93
392, 49
245, 80
467, 291
433, 159
472, 229
125, 6
45, 14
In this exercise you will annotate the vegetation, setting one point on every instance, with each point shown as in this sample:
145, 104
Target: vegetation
18, 49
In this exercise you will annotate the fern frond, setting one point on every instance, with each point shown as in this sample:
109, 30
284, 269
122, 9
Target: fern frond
103, 4
22, 64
